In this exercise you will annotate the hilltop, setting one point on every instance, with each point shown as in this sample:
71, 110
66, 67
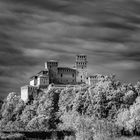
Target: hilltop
108, 108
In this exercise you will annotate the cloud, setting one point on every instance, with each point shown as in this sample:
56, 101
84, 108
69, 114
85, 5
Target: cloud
33, 31
126, 65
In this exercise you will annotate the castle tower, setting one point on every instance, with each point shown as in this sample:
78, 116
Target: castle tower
52, 66
81, 67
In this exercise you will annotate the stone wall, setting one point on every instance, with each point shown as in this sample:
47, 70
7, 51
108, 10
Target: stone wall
67, 76
28, 93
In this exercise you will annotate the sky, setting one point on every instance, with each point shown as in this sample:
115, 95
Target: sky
34, 31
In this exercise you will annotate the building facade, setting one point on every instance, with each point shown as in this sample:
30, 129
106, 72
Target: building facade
52, 73
67, 75
41, 79
28, 93
94, 79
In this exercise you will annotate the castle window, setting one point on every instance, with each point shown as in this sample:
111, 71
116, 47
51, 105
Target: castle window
73, 75
61, 75
81, 76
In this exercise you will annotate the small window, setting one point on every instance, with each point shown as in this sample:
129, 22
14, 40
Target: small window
81, 76
61, 75
72, 75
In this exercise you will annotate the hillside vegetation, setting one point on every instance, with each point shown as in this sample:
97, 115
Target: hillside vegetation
105, 110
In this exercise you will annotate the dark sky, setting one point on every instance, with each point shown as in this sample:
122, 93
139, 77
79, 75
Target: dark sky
33, 31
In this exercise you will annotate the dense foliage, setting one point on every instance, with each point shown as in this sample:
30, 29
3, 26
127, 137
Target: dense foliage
105, 109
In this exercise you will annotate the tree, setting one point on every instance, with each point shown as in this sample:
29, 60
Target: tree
39, 123
9, 106
129, 97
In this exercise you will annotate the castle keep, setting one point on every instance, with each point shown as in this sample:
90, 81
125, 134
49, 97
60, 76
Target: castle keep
52, 73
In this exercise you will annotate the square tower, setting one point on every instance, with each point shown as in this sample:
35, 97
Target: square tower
81, 67
52, 66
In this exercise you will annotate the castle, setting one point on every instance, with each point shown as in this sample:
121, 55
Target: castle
52, 73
